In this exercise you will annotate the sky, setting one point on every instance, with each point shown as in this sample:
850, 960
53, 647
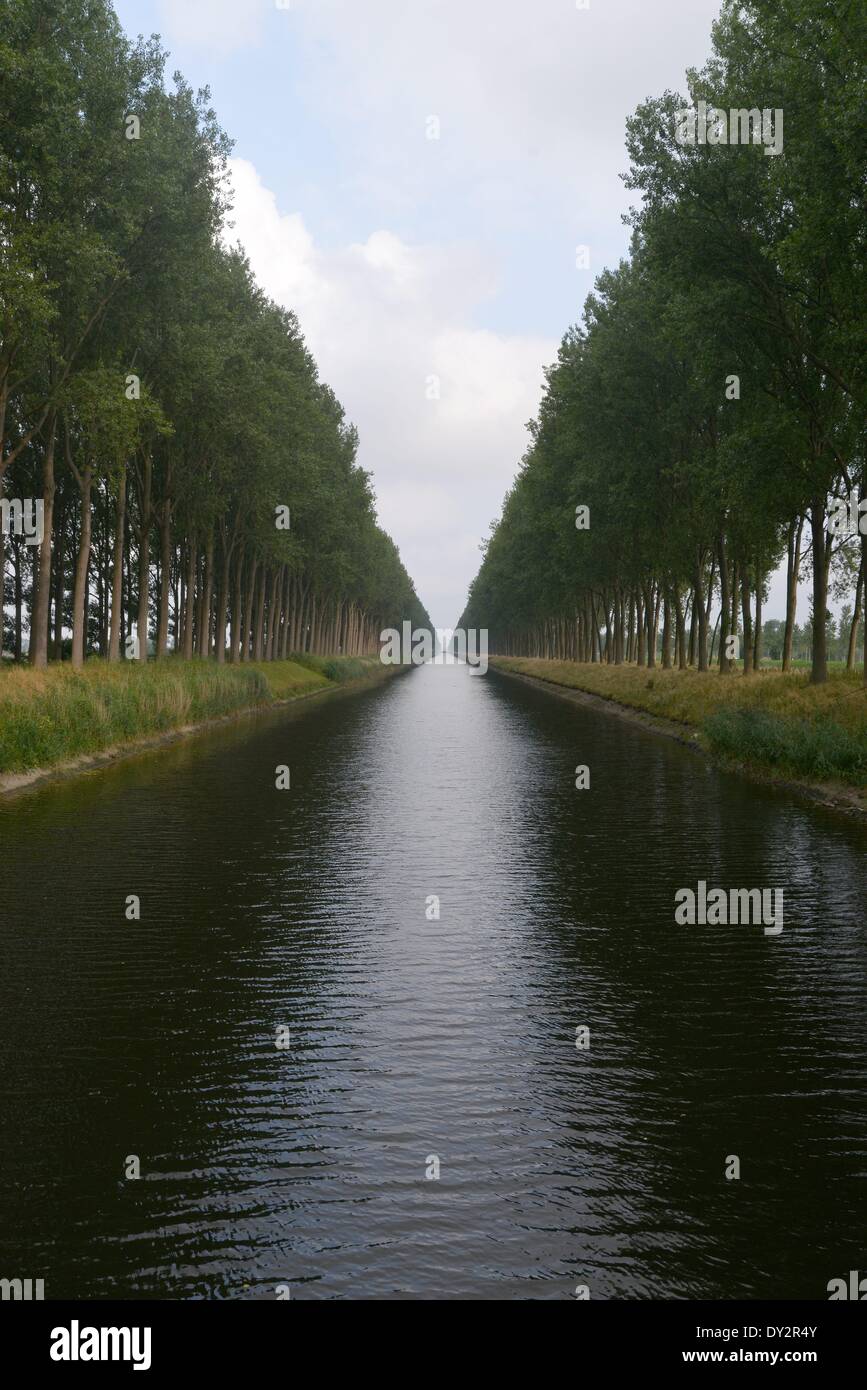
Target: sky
414, 179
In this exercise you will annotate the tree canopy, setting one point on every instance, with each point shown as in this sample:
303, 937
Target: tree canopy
200, 482
708, 412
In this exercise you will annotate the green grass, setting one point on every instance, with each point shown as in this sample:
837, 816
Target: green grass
54, 715
769, 720
285, 679
811, 749
340, 668
800, 663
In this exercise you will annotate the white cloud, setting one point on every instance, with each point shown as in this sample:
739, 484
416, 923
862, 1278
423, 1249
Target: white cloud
216, 24
532, 98
382, 318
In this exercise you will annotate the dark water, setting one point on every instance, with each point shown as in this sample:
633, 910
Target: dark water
412, 1038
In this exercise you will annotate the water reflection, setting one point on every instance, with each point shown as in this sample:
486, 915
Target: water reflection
412, 1036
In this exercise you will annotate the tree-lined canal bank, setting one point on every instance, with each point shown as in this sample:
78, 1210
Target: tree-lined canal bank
779, 729
60, 722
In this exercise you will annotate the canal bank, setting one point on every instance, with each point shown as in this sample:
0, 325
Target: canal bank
60, 723
640, 697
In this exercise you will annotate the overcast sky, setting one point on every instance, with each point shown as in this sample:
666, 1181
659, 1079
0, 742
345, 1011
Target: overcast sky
409, 258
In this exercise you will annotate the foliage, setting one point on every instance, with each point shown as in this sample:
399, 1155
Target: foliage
199, 454
711, 404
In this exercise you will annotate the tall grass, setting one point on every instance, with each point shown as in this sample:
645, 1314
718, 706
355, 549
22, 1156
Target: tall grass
807, 748
339, 668
51, 716
286, 679
777, 721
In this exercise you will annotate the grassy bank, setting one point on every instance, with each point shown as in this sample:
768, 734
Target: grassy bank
53, 716
772, 722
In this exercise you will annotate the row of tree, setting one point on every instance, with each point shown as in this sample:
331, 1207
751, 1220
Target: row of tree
705, 422
844, 639
198, 482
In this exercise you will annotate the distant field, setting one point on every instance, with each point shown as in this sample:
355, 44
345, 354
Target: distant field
801, 664
772, 720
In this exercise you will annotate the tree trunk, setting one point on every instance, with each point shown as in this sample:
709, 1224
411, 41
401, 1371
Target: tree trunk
144, 555
165, 578
793, 569
651, 615
819, 673
864, 598
700, 616
59, 593
117, 568
41, 612
18, 626
260, 616
312, 622
206, 596
271, 629
235, 646
190, 596
247, 624
856, 615
725, 664
223, 603
747, 620
79, 595
679, 628
287, 608
640, 630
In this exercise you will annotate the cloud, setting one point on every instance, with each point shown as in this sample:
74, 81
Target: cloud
224, 25
531, 98
403, 254
441, 404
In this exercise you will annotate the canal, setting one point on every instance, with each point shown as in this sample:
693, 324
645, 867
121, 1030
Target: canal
340, 1042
